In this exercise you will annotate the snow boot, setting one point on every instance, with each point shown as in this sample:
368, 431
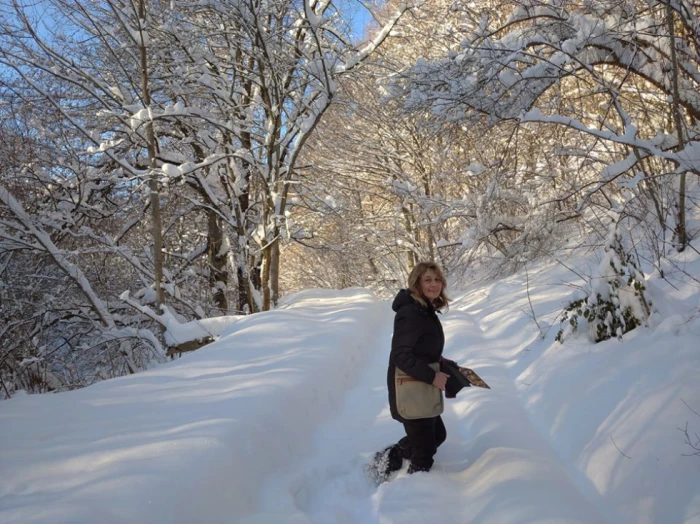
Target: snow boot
385, 463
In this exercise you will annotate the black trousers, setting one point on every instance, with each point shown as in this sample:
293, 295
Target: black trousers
423, 437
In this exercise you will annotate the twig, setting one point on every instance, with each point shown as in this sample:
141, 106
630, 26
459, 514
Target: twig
695, 446
613, 441
5, 388
691, 409
527, 289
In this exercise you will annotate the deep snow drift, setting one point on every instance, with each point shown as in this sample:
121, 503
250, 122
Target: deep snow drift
275, 421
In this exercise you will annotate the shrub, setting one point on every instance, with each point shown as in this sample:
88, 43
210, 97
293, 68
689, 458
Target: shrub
616, 303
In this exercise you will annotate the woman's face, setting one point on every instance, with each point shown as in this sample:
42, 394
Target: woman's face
430, 285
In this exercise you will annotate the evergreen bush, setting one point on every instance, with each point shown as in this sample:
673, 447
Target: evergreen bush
616, 304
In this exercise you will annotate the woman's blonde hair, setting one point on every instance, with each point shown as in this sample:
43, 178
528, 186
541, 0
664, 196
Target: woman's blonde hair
414, 280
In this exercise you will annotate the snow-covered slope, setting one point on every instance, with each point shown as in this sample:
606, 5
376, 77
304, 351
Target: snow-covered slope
193, 440
275, 421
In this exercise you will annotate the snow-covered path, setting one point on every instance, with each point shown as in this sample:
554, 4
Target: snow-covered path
494, 467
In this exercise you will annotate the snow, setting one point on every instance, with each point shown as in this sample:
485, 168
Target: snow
330, 202
274, 422
177, 333
138, 118
171, 171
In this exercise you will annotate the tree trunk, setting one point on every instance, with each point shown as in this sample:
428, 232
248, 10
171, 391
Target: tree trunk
246, 271
218, 276
157, 229
267, 254
275, 269
681, 236
245, 303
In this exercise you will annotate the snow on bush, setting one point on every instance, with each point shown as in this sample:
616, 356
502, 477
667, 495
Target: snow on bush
616, 303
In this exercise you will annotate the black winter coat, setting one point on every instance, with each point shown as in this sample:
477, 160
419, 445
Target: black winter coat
418, 340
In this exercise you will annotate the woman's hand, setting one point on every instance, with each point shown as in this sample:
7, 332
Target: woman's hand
440, 380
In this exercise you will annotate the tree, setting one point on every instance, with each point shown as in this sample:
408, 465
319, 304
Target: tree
379, 189
595, 69
199, 110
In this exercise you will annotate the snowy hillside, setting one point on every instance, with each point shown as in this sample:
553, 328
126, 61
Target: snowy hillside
274, 422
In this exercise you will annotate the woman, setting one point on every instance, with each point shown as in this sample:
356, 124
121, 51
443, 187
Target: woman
416, 350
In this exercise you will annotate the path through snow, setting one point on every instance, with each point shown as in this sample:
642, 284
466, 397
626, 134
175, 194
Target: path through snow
494, 467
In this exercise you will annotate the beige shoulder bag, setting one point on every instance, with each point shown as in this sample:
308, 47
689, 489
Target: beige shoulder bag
416, 399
